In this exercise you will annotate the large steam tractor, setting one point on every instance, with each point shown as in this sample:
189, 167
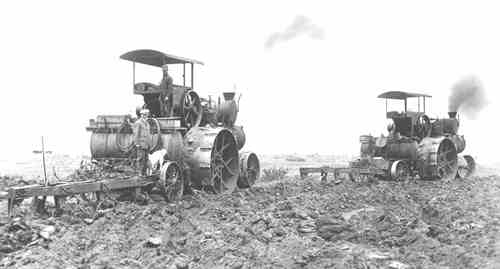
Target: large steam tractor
197, 140
415, 145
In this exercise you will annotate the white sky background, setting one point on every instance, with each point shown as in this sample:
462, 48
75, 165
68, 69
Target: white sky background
60, 66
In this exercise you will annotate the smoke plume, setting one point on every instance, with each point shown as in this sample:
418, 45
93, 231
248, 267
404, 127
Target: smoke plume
301, 25
467, 97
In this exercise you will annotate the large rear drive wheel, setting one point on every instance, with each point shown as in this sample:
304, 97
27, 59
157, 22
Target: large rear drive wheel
224, 163
447, 164
437, 158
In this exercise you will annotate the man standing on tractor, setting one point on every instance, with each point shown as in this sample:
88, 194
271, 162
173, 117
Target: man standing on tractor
141, 133
166, 81
166, 95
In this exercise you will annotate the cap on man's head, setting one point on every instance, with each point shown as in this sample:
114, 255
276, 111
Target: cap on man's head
144, 111
164, 67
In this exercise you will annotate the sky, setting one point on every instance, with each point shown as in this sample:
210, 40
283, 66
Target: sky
314, 92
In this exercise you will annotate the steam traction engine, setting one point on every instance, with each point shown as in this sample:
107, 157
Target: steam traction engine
195, 138
415, 145
193, 143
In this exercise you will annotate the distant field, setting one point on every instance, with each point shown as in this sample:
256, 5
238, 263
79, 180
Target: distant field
31, 167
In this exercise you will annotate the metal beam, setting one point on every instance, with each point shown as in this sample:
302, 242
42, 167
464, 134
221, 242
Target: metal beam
133, 75
192, 76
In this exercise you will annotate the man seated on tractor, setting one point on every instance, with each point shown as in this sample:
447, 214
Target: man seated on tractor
141, 134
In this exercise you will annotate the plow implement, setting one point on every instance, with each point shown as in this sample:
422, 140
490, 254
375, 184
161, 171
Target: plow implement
324, 171
60, 191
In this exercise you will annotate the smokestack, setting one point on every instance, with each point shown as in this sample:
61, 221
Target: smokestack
452, 115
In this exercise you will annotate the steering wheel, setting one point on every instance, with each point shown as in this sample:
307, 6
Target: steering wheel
423, 126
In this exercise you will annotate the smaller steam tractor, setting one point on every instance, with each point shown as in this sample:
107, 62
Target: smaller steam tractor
193, 141
416, 145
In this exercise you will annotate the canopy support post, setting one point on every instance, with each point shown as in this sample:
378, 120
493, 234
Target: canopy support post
184, 74
133, 74
192, 76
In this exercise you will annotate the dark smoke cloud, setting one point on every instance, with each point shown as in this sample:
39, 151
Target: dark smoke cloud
301, 25
467, 97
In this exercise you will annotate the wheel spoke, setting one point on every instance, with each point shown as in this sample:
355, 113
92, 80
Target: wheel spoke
444, 154
216, 181
221, 150
212, 180
446, 164
222, 142
229, 170
222, 184
216, 173
226, 163
445, 168
252, 170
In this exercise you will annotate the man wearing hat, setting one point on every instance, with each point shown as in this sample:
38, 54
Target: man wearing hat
166, 85
166, 82
141, 134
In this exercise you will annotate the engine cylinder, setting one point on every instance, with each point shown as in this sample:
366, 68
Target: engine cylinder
450, 126
227, 111
437, 128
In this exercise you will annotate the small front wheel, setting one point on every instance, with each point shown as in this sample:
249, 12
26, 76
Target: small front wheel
171, 181
400, 171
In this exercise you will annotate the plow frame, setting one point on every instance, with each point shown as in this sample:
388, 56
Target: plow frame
324, 171
64, 189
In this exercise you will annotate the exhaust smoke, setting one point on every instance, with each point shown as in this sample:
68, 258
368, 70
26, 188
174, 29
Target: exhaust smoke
301, 25
467, 97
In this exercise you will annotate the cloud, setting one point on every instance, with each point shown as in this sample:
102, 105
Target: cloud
467, 96
301, 25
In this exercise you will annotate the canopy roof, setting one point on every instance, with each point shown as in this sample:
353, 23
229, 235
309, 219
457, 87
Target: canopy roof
156, 58
401, 95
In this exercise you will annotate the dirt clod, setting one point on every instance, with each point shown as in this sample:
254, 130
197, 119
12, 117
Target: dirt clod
281, 222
